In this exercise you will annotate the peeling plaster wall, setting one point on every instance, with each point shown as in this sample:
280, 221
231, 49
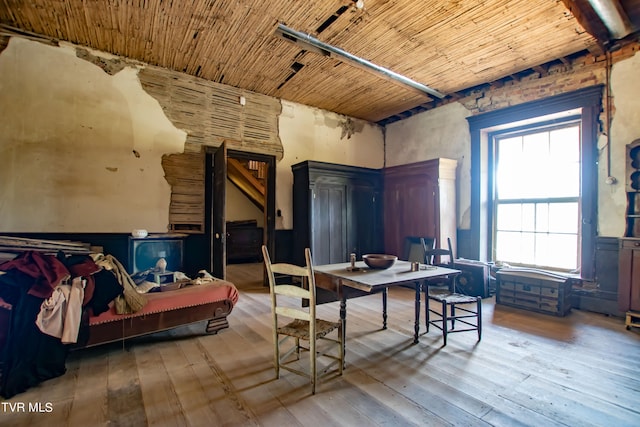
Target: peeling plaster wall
68, 133
439, 133
625, 128
312, 134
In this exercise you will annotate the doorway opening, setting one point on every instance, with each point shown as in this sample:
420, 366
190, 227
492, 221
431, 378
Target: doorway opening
240, 206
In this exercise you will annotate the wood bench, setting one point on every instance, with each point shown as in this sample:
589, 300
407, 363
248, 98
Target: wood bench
166, 310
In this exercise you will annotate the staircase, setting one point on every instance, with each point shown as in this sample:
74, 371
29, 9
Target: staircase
250, 177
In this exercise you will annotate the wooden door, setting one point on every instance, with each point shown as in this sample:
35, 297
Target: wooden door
328, 224
629, 275
269, 208
420, 200
634, 303
364, 220
219, 226
410, 209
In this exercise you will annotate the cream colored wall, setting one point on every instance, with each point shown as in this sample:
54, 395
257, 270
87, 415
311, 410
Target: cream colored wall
69, 131
441, 132
625, 128
67, 138
444, 132
311, 134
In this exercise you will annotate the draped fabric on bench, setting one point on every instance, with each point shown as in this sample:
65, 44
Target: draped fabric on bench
29, 355
189, 296
165, 310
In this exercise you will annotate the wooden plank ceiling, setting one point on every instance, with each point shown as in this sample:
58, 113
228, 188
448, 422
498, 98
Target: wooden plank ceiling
447, 45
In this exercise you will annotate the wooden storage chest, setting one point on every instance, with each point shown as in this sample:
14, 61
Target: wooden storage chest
534, 290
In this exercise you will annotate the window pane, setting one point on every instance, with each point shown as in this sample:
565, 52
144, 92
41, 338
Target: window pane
503, 243
535, 147
542, 164
529, 217
542, 217
557, 251
563, 218
564, 144
544, 249
508, 179
509, 217
509, 246
528, 250
543, 167
564, 181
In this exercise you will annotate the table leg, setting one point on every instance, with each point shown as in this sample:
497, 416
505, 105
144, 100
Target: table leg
417, 324
385, 294
343, 320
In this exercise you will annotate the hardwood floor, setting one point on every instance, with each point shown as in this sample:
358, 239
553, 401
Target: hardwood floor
529, 369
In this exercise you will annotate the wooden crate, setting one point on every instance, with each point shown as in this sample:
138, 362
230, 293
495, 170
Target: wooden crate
534, 290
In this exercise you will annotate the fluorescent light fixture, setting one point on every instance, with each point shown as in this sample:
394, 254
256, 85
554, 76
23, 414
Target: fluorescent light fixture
613, 16
314, 45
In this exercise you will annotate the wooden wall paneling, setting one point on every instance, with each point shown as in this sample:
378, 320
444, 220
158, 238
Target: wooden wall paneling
601, 295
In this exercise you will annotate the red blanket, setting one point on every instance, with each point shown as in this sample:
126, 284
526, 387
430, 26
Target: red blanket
189, 296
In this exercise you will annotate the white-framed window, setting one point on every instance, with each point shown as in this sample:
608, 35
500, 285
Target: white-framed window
536, 203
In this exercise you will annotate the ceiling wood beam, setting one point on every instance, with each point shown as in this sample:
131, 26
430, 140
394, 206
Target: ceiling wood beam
566, 62
589, 20
540, 69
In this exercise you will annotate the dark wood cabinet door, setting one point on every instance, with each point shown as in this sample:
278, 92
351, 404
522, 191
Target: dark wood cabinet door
634, 304
411, 209
419, 200
337, 210
629, 275
365, 220
329, 224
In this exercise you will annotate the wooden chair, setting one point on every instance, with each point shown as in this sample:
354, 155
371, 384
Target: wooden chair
294, 319
415, 248
438, 256
444, 258
452, 306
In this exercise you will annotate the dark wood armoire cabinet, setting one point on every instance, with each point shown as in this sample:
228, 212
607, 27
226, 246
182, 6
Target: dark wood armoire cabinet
337, 210
420, 201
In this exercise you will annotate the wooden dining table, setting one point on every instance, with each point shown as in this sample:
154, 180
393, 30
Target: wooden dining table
349, 283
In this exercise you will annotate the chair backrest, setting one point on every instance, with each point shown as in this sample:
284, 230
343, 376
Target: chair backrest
416, 247
440, 256
287, 299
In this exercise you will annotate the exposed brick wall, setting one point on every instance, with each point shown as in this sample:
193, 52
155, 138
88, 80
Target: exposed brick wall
554, 79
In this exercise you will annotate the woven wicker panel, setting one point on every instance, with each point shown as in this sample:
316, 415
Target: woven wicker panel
185, 174
211, 112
